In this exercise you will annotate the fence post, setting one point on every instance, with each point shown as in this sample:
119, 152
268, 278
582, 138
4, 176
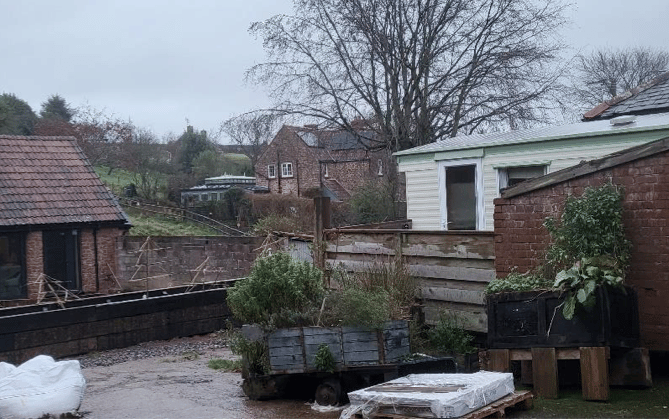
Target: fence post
322, 222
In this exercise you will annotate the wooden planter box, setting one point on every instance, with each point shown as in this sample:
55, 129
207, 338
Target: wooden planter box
523, 320
293, 350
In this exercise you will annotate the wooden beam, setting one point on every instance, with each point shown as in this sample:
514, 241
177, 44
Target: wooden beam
499, 360
544, 372
594, 374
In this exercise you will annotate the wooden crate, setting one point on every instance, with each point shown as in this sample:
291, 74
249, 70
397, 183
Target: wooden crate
293, 350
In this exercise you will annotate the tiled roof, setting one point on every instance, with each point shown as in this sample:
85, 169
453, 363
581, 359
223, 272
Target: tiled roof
652, 97
48, 180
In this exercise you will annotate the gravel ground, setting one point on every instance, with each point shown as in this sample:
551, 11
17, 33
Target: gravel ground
184, 346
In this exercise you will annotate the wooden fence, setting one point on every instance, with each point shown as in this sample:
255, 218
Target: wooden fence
453, 268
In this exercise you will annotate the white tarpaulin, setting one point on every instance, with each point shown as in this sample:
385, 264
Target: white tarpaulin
39, 387
443, 395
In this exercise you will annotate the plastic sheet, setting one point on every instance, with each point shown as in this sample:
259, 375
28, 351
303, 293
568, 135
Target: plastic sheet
41, 386
434, 395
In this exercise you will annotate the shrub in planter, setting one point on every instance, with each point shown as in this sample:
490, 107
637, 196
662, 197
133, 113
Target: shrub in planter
279, 292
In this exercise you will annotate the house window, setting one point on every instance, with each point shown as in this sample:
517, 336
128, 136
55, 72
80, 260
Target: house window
326, 174
461, 195
286, 170
12, 268
271, 171
61, 257
204, 197
512, 175
380, 165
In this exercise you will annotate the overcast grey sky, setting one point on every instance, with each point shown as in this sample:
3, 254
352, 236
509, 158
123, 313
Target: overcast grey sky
160, 62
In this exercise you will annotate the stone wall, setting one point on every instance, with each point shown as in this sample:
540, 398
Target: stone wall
173, 260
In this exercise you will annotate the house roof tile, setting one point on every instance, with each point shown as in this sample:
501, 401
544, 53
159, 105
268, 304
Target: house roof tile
651, 97
48, 180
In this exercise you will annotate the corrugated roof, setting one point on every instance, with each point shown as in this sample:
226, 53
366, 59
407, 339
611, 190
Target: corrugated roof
48, 180
541, 134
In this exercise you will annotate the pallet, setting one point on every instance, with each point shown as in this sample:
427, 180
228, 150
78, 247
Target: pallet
519, 399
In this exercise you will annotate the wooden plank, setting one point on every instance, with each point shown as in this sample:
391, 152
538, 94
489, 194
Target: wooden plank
594, 374
544, 372
453, 295
473, 319
499, 360
361, 357
284, 351
520, 399
452, 273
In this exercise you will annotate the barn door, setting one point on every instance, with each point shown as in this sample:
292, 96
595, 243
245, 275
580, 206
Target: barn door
61, 257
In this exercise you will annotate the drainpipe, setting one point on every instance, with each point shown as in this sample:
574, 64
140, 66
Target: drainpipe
97, 270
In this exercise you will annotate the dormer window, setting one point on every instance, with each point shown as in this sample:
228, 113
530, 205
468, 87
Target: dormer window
271, 171
286, 170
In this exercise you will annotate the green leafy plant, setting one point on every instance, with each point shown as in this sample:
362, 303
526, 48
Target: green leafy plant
517, 282
255, 354
581, 281
324, 360
589, 226
225, 365
589, 247
280, 291
447, 336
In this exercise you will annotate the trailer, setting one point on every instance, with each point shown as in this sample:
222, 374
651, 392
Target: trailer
359, 357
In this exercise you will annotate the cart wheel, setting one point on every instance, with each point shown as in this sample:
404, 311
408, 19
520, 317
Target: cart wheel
328, 392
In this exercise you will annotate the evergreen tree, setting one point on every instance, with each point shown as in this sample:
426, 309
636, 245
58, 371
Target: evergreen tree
56, 108
192, 144
16, 116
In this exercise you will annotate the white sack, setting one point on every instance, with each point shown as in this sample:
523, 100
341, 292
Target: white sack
40, 386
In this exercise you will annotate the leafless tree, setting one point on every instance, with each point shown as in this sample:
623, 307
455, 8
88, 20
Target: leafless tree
418, 69
252, 131
603, 74
100, 135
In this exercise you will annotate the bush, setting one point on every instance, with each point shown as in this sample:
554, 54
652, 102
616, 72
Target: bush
373, 202
448, 337
590, 226
279, 291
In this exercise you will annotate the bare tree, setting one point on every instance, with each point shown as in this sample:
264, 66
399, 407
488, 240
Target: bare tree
100, 135
418, 69
252, 131
604, 74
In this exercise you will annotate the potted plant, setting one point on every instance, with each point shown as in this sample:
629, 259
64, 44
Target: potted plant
577, 297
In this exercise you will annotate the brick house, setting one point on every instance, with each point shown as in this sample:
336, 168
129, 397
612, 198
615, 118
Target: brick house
56, 218
521, 239
303, 160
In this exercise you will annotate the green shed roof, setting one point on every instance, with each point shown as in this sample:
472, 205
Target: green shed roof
549, 133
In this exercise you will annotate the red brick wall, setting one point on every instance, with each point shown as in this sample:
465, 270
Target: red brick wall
106, 241
521, 239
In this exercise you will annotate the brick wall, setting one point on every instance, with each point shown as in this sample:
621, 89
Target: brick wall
179, 256
101, 281
521, 239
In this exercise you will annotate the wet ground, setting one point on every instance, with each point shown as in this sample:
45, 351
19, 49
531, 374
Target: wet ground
177, 385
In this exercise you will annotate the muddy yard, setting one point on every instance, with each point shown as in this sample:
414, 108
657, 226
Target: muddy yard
172, 380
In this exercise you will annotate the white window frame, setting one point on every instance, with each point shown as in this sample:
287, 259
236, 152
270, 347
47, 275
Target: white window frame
287, 170
478, 183
271, 171
503, 174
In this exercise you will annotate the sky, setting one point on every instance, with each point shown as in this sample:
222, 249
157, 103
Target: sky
164, 64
